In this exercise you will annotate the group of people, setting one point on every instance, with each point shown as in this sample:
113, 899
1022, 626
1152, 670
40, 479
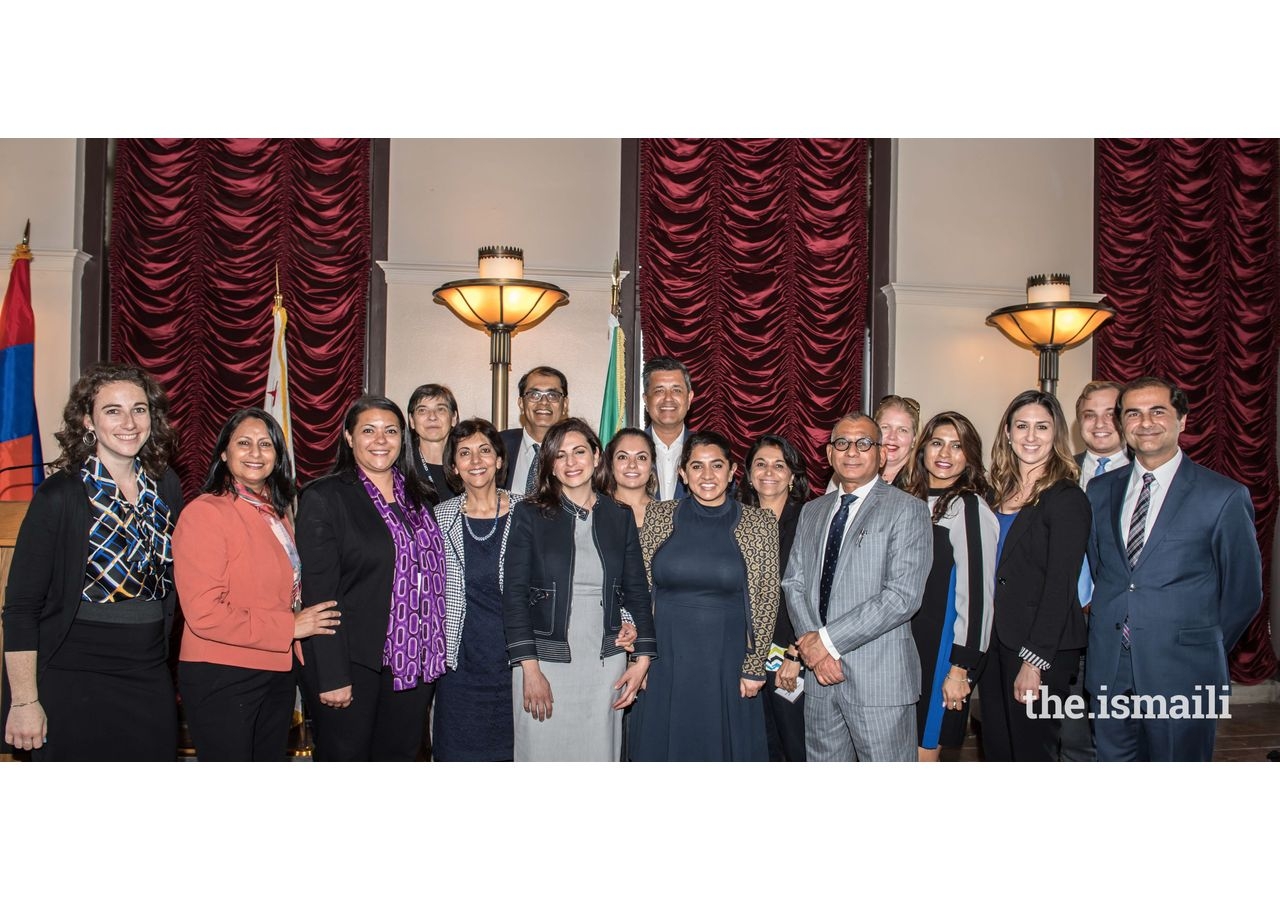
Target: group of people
425, 591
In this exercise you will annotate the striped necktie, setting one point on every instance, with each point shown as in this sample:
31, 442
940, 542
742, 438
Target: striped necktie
533, 471
1137, 537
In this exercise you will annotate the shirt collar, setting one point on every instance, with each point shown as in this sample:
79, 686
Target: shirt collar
1164, 473
861, 492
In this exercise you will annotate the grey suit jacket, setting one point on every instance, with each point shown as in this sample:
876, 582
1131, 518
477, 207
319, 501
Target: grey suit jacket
880, 576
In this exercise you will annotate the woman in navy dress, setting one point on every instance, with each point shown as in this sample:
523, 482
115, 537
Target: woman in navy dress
713, 566
473, 699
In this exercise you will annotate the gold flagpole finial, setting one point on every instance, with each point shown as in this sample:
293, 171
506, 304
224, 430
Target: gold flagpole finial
279, 296
23, 250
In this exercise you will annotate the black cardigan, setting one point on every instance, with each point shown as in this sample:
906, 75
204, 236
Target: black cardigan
1036, 602
46, 580
347, 555
537, 594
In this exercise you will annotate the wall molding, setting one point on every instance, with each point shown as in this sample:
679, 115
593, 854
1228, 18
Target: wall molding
434, 274
965, 295
46, 260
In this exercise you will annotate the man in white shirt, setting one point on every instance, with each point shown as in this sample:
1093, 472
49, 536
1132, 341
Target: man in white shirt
1177, 579
668, 393
542, 396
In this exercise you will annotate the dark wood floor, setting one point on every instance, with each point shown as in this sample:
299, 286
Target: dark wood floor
1252, 732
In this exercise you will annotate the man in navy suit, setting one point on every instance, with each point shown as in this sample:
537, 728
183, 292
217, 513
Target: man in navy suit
1177, 579
668, 392
542, 396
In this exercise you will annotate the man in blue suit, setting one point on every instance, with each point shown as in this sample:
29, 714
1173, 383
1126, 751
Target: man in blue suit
1177, 579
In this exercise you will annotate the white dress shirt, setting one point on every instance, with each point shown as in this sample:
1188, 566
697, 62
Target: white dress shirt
1159, 490
861, 493
524, 459
667, 463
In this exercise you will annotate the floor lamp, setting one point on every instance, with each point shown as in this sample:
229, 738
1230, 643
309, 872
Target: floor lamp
501, 302
1050, 321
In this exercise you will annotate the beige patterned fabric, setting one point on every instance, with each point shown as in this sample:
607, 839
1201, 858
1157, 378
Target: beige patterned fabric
757, 537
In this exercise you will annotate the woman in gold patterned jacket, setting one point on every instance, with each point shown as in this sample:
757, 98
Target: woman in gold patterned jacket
713, 567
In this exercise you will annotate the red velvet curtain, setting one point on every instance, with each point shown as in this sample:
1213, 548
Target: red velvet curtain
198, 228
1188, 254
754, 273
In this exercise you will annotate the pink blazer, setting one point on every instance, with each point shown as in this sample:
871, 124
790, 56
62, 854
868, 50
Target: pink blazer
234, 585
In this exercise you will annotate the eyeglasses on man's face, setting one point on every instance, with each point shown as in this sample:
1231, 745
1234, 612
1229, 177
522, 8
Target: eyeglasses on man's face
841, 444
535, 395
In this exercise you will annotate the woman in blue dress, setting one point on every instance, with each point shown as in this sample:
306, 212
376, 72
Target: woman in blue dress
953, 626
473, 700
713, 567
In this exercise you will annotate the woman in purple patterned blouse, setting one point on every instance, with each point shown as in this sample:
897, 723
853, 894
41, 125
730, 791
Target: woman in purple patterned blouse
367, 538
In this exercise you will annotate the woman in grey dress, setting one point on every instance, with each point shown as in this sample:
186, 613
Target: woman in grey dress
573, 573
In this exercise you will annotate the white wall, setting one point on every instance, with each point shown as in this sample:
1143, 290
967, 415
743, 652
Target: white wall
974, 218
38, 182
556, 199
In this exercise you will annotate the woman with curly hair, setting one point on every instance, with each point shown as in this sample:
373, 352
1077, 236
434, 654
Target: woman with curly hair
90, 599
953, 625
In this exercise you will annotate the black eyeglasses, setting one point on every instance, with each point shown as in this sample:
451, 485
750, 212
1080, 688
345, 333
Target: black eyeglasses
536, 395
863, 444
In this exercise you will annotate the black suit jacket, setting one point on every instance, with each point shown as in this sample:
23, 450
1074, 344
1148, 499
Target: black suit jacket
511, 439
537, 592
347, 555
1037, 604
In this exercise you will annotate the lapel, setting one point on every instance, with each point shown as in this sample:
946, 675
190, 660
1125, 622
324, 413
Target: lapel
1118, 487
1178, 491
817, 539
861, 509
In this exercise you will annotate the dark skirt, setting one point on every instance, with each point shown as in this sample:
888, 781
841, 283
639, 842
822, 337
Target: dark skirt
109, 697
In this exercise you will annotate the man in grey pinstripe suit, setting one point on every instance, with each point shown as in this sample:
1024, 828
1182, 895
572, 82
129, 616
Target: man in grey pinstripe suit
854, 580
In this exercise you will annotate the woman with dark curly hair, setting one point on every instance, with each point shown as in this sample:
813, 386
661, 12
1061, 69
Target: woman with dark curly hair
90, 598
239, 583
573, 576
775, 480
953, 625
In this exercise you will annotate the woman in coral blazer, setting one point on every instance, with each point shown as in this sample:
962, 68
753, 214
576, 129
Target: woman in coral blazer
238, 575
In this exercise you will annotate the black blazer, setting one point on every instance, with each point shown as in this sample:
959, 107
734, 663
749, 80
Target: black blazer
347, 555
1037, 603
511, 439
46, 580
538, 592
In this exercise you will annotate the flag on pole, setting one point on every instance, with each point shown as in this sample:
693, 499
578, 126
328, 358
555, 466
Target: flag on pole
613, 412
19, 431
277, 397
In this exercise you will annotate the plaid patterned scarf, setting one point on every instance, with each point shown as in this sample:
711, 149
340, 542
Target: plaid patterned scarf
415, 647
130, 547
